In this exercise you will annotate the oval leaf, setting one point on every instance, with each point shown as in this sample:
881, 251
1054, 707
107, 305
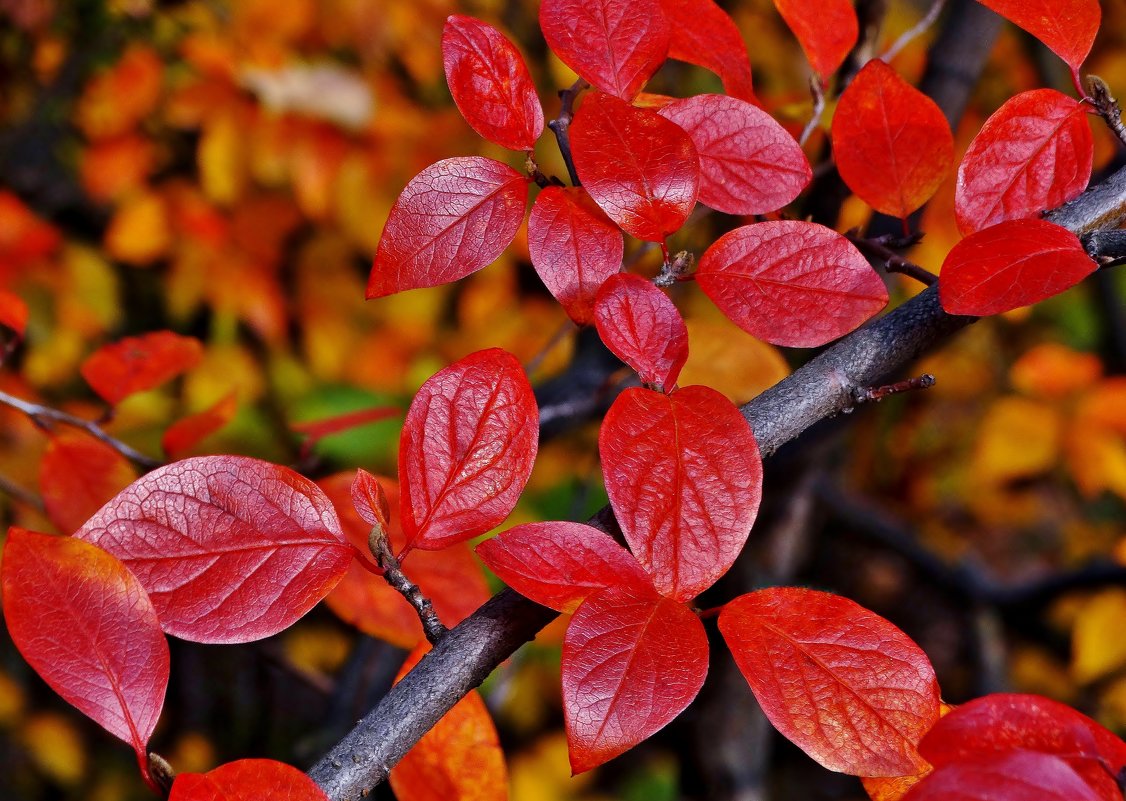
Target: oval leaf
77, 476
187, 432
247, 780
826, 29
574, 247
791, 283
749, 164
1017, 776
453, 218
684, 477
704, 34
230, 549
1012, 264
136, 364
643, 328
1067, 27
616, 45
467, 449
892, 145
1034, 153
490, 83
631, 663
639, 167
370, 500
840, 682
84, 622
559, 564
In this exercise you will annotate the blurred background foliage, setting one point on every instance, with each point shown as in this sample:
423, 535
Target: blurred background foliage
222, 168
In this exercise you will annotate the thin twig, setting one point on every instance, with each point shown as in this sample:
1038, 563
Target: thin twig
818, 93
877, 248
920, 28
1107, 106
868, 394
381, 550
15, 491
560, 125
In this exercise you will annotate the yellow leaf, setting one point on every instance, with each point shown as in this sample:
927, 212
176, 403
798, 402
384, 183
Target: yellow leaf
1096, 459
55, 747
222, 159
726, 358
1019, 438
1097, 645
11, 701
139, 232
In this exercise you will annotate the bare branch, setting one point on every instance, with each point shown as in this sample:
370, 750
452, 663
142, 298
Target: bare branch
561, 125
918, 30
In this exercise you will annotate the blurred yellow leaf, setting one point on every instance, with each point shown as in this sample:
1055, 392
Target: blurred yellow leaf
12, 701
726, 358
1096, 459
222, 158
319, 650
1018, 438
140, 231
1097, 644
1054, 371
55, 747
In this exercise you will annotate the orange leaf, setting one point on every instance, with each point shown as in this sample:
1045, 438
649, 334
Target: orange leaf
78, 476
1054, 371
140, 231
24, 238
117, 99
110, 168
136, 364
186, 433
892, 788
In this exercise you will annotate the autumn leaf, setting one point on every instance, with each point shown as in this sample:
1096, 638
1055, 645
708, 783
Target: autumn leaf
641, 326
247, 780
704, 34
136, 364
78, 475
1067, 27
826, 29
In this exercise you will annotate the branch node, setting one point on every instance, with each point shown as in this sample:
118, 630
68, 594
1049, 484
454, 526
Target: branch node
561, 124
1107, 106
869, 394
432, 627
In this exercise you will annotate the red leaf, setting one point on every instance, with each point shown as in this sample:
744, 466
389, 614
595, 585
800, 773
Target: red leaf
791, 283
370, 501
1017, 776
892, 145
136, 364
631, 663
989, 727
749, 164
639, 167
1067, 27
77, 476
247, 780
452, 219
13, 313
703, 34
459, 759
316, 430
643, 328
826, 29
84, 622
840, 682
467, 449
186, 433
1012, 264
684, 477
574, 247
490, 83
559, 564
230, 549
1034, 153
616, 45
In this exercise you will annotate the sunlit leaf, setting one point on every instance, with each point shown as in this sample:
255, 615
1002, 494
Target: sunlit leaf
78, 475
642, 327
247, 780
136, 364
1067, 27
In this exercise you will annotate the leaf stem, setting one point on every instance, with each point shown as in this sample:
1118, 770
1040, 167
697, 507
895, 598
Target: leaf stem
878, 248
431, 626
560, 125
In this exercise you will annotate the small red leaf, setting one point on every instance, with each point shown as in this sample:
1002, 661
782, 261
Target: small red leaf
247, 780
1012, 264
230, 549
749, 164
370, 501
791, 283
84, 622
684, 477
574, 247
136, 364
1017, 776
643, 328
490, 83
452, 219
826, 29
639, 167
891, 143
1034, 153
616, 45
467, 449
1067, 27
704, 34
77, 476
316, 430
840, 682
186, 433
559, 564
631, 663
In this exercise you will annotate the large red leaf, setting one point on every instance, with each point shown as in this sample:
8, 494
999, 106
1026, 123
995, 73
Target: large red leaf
790, 282
451, 578
459, 759
1034, 153
616, 45
632, 662
559, 564
826, 29
749, 164
1012, 264
574, 247
891, 143
135, 364
843, 684
452, 219
1017, 776
77, 476
988, 727
247, 780
84, 622
684, 477
490, 83
643, 328
1067, 27
230, 549
467, 449
639, 167
704, 34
